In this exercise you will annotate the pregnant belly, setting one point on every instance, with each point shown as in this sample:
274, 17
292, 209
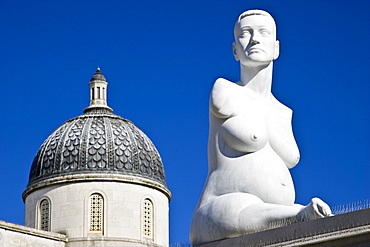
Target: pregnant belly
261, 173
244, 134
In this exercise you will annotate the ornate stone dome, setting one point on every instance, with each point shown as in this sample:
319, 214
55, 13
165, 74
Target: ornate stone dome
97, 145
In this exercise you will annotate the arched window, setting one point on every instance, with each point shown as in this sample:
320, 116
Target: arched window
45, 215
147, 218
96, 213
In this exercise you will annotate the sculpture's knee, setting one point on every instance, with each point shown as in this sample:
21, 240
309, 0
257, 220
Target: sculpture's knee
220, 218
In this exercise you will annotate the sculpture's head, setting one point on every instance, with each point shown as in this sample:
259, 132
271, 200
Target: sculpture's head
255, 38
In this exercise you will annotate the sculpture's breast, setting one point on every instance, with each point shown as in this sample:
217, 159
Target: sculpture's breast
245, 133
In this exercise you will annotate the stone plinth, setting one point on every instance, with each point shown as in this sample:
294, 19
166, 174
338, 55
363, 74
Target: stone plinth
350, 229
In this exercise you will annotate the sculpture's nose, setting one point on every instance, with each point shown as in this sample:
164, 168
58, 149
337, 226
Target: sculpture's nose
254, 39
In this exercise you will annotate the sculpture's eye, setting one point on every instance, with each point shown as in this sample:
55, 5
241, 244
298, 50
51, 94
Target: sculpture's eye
245, 32
264, 32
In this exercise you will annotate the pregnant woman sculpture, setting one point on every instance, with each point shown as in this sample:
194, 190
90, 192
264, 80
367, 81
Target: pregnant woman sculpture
251, 145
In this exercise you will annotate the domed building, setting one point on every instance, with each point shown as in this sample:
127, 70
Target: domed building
99, 181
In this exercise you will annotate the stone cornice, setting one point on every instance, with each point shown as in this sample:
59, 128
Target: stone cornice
93, 177
32, 231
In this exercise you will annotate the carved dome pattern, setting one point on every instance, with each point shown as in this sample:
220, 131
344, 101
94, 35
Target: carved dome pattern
97, 142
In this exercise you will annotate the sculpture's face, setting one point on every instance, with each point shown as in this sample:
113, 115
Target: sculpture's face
255, 40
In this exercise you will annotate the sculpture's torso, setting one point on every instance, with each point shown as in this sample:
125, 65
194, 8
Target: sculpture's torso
250, 147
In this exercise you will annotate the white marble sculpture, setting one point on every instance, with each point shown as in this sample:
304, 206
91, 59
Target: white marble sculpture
251, 145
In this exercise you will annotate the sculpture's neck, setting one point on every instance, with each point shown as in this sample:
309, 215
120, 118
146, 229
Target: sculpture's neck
258, 79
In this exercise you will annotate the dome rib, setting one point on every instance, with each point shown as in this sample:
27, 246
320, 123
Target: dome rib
109, 144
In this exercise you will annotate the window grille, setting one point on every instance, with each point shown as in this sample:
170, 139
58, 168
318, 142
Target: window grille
147, 218
96, 213
45, 215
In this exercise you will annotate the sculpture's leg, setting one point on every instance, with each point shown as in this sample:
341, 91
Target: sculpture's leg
236, 214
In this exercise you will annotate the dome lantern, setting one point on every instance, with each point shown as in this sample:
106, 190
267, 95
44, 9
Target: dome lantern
98, 91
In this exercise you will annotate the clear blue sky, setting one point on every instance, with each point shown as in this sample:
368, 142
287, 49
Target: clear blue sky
161, 59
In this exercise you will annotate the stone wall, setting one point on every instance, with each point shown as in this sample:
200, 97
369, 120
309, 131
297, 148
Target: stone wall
123, 213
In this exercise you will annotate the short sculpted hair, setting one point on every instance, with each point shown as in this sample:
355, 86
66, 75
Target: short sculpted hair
253, 12
249, 13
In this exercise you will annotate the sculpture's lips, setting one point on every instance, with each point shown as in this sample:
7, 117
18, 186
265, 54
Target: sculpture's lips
255, 49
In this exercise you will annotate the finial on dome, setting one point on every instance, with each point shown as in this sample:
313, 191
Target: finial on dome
98, 91
98, 75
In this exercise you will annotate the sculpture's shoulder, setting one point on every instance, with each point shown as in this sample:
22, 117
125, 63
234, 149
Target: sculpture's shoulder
221, 93
280, 107
222, 86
